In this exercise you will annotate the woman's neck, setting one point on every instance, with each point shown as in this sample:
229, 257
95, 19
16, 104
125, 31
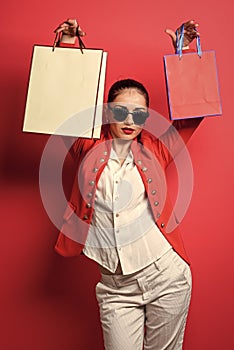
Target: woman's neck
121, 148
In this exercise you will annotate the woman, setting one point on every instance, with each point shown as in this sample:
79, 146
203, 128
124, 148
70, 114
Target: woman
118, 214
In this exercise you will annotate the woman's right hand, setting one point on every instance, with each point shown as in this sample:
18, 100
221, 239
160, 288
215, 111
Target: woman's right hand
69, 30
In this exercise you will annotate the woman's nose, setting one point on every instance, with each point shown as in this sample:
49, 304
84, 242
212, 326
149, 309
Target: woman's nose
129, 119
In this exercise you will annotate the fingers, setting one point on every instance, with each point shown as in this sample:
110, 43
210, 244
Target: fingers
69, 27
81, 32
190, 33
171, 33
191, 28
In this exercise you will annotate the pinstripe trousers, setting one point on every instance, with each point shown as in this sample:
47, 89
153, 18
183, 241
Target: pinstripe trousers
148, 309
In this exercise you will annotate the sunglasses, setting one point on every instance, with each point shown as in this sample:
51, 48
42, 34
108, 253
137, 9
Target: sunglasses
120, 114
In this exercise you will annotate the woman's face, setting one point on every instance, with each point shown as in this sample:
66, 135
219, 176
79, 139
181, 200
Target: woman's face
131, 100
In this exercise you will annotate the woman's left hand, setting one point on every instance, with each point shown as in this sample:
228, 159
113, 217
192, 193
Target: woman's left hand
190, 33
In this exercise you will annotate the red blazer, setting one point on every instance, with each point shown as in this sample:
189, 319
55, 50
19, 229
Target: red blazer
151, 157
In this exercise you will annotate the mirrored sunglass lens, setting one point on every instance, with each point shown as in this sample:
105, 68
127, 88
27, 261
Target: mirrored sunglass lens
139, 117
120, 114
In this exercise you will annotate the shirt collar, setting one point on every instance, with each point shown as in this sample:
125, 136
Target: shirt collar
129, 158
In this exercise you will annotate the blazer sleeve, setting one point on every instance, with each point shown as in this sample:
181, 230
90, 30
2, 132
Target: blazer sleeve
61, 44
176, 137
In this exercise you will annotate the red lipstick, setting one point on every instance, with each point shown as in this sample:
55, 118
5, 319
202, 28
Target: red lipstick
128, 131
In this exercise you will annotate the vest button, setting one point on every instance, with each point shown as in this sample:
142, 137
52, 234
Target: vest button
162, 224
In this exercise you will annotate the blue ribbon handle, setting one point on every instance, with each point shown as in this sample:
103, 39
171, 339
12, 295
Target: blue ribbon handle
180, 40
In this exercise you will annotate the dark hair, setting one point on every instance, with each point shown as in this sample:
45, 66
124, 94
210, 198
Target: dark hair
121, 85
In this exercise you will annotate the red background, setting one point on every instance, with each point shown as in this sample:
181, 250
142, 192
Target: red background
48, 302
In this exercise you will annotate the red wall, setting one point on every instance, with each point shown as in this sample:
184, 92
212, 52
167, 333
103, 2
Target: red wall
47, 302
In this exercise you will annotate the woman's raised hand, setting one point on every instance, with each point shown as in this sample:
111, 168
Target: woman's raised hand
190, 33
69, 29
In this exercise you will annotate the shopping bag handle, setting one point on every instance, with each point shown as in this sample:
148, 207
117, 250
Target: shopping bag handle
180, 40
81, 44
57, 40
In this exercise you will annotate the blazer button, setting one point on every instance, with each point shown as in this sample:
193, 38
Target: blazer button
153, 192
90, 194
149, 180
85, 217
95, 170
88, 205
156, 203
102, 160
144, 169
139, 162
91, 183
162, 224
105, 153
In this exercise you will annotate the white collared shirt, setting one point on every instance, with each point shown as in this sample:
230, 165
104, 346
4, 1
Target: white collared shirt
123, 229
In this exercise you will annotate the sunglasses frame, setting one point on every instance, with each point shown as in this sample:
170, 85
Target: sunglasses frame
146, 114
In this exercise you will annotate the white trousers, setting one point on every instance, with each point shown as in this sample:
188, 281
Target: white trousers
147, 309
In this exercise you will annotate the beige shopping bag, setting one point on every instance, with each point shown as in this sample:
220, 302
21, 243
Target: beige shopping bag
65, 92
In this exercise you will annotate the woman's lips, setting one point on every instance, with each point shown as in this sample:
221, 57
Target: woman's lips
128, 131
